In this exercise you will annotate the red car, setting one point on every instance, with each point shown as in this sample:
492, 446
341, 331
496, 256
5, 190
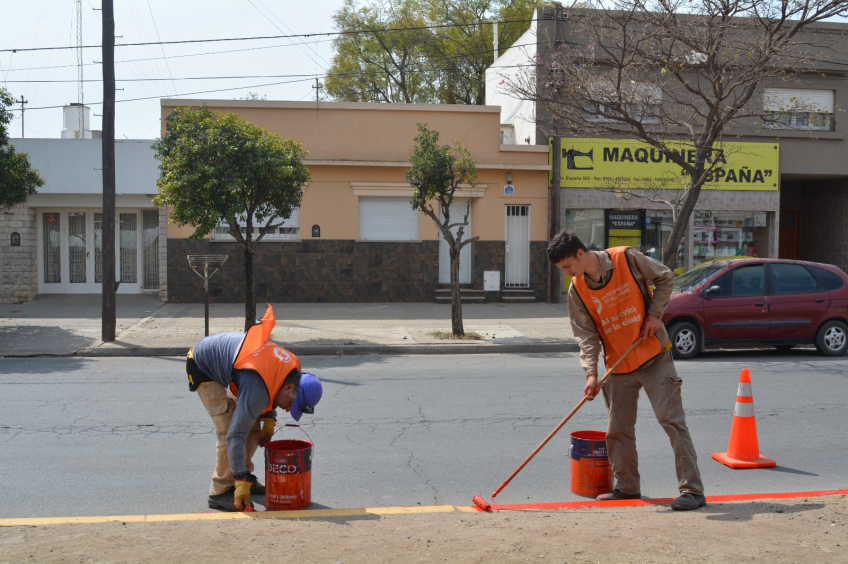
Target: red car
774, 302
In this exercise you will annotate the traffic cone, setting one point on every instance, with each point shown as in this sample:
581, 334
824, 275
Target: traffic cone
743, 450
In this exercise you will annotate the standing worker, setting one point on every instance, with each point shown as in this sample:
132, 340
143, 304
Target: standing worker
610, 304
241, 380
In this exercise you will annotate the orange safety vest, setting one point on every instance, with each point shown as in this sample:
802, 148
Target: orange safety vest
271, 361
618, 310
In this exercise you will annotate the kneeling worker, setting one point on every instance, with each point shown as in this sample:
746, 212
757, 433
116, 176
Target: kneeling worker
610, 304
241, 380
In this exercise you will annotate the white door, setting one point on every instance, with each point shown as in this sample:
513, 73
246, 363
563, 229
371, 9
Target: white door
457, 212
517, 261
70, 243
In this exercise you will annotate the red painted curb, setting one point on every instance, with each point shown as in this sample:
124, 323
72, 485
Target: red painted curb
658, 501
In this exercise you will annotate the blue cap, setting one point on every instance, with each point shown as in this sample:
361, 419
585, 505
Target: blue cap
308, 395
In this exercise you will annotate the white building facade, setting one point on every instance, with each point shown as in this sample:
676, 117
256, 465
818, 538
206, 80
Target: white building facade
52, 244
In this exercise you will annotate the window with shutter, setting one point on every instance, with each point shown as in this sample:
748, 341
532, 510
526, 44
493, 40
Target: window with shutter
288, 231
787, 108
387, 219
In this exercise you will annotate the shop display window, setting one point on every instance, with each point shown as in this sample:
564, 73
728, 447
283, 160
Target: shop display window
588, 225
657, 230
725, 234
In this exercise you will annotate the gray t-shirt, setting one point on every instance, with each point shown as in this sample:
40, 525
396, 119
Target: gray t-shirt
215, 356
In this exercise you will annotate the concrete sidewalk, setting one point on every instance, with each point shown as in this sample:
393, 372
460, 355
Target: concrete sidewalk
69, 325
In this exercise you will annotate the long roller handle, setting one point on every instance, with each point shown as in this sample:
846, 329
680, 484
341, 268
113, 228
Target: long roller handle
564, 421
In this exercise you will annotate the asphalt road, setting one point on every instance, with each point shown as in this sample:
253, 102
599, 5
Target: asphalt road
88, 436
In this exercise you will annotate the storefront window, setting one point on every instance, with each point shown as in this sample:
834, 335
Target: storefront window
721, 234
588, 225
657, 230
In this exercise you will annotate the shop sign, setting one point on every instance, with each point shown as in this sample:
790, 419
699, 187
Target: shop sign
631, 164
625, 220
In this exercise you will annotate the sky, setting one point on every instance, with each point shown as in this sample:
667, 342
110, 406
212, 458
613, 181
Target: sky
49, 23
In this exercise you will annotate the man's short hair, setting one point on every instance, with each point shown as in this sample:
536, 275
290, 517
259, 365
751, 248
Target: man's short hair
293, 378
565, 244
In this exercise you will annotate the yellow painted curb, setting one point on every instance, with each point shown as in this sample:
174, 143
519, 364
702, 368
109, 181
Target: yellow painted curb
218, 516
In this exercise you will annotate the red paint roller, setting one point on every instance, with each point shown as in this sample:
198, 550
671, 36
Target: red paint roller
482, 503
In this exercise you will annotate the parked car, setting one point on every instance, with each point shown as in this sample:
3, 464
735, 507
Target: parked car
782, 303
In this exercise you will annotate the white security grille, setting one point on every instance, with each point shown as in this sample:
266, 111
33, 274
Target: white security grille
517, 247
76, 247
51, 246
129, 247
387, 219
288, 231
150, 224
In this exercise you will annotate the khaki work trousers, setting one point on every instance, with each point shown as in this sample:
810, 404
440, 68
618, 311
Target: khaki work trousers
663, 387
220, 409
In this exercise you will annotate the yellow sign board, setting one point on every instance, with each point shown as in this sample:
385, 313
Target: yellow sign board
632, 164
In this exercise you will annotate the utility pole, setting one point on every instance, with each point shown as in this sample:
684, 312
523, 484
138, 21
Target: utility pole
556, 169
22, 101
318, 87
109, 286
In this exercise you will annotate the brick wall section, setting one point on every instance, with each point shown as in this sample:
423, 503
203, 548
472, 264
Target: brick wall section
311, 271
18, 268
824, 222
335, 271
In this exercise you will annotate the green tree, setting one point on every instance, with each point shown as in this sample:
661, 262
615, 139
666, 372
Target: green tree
438, 173
18, 180
442, 58
220, 169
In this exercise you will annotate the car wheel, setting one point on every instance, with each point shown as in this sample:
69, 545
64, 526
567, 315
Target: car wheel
685, 340
832, 338
784, 348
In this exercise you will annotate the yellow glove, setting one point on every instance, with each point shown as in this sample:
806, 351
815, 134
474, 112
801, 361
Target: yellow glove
241, 497
267, 430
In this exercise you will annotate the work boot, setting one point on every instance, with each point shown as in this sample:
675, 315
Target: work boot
617, 494
688, 502
224, 501
255, 487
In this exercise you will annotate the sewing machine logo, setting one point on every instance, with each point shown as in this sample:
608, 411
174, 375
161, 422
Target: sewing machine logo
570, 159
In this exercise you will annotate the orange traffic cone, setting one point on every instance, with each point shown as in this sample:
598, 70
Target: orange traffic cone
743, 450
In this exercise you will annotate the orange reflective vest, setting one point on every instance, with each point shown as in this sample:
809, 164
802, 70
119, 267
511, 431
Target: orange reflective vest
271, 361
618, 310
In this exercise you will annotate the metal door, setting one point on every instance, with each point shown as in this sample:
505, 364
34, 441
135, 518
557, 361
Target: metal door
457, 212
517, 259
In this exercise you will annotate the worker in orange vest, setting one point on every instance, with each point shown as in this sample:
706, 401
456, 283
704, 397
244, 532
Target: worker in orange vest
241, 380
611, 305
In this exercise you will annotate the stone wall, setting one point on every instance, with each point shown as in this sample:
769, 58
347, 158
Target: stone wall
311, 271
18, 267
335, 271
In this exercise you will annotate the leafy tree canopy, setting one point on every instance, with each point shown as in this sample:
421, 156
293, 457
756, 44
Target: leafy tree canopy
18, 180
220, 168
424, 51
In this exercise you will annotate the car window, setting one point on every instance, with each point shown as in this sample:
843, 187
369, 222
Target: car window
725, 282
792, 279
687, 282
748, 280
831, 280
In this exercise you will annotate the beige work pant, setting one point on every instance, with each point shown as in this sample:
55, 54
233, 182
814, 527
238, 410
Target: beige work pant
220, 409
621, 394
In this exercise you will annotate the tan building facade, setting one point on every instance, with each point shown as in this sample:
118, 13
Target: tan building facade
356, 237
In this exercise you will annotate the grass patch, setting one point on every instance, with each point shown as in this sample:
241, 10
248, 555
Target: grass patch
449, 336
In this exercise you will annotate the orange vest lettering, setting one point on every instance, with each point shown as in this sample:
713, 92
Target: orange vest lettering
271, 361
618, 310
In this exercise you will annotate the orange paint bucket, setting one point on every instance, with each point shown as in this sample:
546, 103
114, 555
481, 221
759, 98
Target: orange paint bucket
591, 474
288, 474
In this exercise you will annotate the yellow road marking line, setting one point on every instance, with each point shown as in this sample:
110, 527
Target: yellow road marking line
219, 516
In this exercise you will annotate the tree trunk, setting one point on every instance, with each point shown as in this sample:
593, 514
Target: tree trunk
678, 228
249, 290
456, 297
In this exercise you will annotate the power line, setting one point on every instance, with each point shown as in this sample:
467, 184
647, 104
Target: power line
265, 37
